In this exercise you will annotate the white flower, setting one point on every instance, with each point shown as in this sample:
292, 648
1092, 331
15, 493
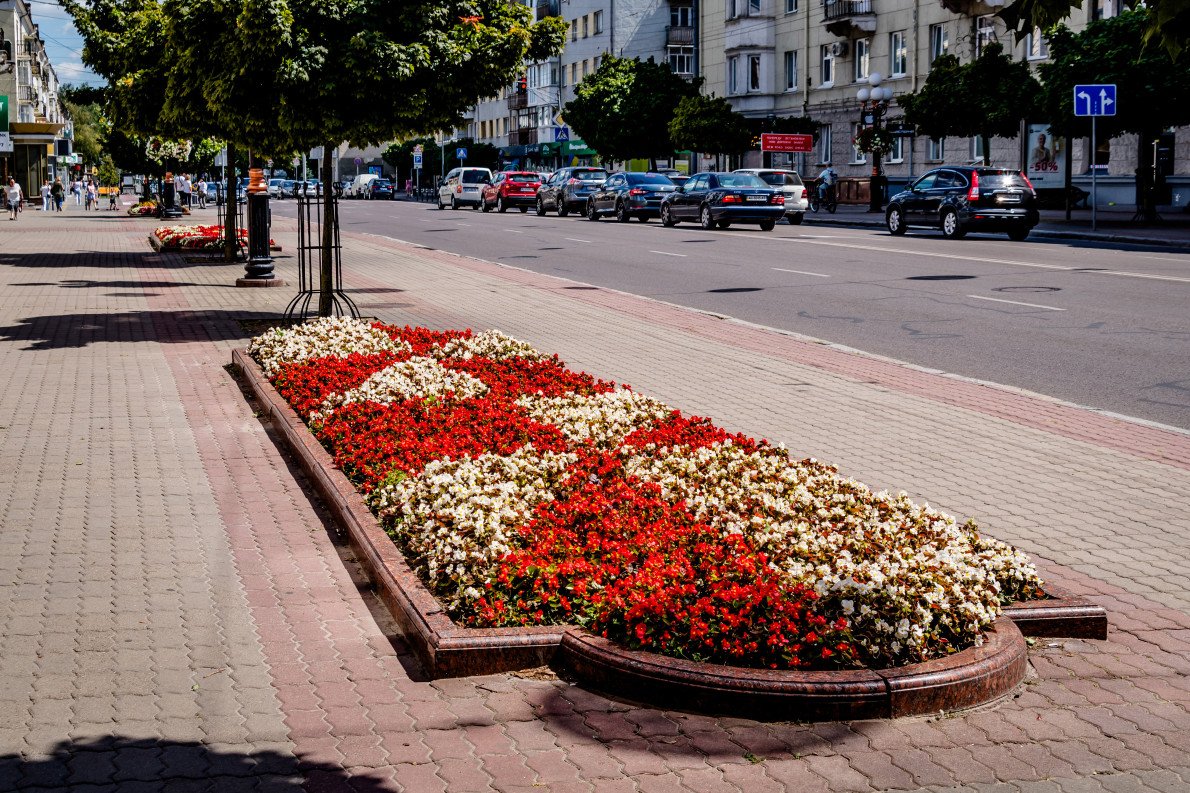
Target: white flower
319, 338
603, 419
413, 378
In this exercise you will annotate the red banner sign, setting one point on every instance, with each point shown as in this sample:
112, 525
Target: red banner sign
771, 141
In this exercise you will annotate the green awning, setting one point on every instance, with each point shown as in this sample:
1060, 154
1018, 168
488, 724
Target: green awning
577, 148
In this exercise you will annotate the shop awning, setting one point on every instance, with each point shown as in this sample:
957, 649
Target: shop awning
512, 151
577, 148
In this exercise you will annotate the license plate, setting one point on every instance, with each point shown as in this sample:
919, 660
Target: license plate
757, 198
1009, 198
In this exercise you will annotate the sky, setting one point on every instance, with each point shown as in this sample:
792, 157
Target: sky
63, 43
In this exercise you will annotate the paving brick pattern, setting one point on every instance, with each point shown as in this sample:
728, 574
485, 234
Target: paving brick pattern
175, 613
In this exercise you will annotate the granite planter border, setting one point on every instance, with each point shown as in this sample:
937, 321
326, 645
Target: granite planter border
444, 648
447, 649
972, 677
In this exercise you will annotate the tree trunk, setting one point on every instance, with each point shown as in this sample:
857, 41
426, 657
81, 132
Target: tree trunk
230, 233
1146, 188
326, 301
986, 140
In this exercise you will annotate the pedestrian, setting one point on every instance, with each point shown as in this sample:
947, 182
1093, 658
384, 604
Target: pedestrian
188, 191
92, 195
13, 195
112, 192
179, 185
58, 193
45, 195
76, 187
202, 192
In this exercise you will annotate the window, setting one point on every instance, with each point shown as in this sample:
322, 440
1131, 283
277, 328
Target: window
898, 54
985, 32
824, 144
897, 152
574, 29
791, 70
753, 72
977, 150
1036, 47
586, 18
862, 65
753, 7
574, 73
857, 156
1105, 9
681, 16
595, 63
828, 65
790, 6
936, 150
939, 43
733, 70
598, 22
681, 59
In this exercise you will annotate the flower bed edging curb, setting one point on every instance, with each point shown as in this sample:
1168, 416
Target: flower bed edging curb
972, 677
444, 648
1063, 615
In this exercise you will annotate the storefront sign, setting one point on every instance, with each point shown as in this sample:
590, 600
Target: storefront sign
771, 141
5, 142
1045, 164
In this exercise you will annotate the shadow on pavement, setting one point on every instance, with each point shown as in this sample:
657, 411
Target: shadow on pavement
107, 260
123, 763
59, 331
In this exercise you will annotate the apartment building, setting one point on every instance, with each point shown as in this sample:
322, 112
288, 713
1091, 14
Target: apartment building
35, 116
809, 58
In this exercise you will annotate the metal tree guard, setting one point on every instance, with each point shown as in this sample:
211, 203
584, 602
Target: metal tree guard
310, 258
221, 213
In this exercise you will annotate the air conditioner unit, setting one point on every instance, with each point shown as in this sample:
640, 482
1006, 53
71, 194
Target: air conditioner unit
838, 49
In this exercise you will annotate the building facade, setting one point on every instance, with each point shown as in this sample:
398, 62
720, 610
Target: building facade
36, 121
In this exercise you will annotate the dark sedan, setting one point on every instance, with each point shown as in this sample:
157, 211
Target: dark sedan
958, 199
720, 199
629, 195
380, 188
567, 189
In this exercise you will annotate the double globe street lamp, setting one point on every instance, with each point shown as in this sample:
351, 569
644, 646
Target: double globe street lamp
873, 104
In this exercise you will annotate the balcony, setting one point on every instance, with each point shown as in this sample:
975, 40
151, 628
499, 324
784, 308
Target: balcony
844, 17
522, 137
679, 35
518, 100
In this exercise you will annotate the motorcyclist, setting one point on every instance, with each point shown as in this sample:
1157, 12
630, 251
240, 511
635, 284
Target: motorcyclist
826, 179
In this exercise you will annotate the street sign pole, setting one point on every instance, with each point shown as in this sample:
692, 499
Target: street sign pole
1094, 172
1094, 101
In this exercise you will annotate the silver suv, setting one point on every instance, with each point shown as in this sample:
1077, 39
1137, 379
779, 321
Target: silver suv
790, 184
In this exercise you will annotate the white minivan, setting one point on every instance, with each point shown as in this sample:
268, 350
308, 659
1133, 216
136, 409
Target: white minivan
359, 187
463, 187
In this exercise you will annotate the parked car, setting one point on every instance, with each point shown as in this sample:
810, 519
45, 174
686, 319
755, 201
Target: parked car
358, 187
788, 183
720, 199
629, 195
960, 198
669, 172
275, 187
380, 189
286, 189
463, 187
679, 180
567, 189
215, 193
511, 189
310, 187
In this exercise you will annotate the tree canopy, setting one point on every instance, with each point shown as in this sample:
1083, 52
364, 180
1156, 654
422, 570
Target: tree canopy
1152, 89
708, 124
984, 98
623, 109
1167, 25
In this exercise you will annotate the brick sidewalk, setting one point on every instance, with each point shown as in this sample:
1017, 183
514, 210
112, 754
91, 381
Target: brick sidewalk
175, 615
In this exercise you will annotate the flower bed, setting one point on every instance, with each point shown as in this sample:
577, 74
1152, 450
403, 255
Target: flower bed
193, 238
149, 208
527, 494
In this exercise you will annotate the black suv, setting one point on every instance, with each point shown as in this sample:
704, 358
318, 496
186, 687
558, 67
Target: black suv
567, 189
960, 198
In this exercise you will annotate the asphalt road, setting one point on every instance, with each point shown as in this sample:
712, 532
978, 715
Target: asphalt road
1097, 325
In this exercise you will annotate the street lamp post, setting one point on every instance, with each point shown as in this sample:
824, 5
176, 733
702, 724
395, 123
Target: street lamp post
873, 104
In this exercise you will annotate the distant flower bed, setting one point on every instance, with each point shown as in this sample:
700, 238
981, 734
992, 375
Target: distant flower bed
145, 208
194, 238
524, 493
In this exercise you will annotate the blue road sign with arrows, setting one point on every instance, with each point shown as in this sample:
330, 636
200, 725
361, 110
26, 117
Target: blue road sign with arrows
1094, 100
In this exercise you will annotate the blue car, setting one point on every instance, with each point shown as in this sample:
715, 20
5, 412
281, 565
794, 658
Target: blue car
717, 199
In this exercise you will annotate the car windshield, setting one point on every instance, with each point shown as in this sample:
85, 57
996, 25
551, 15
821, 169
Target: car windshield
590, 175
523, 177
740, 180
1001, 179
473, 175
777, 179
649, 179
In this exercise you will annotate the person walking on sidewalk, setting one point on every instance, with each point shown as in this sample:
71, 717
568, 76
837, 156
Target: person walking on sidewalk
14, 195
76, 187
45, 195
58, 193
202, 192
92, 195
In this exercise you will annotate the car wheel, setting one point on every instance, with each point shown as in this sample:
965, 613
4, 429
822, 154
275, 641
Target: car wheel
453, 204
591, 213
667, 218
724, 224
796, 220
483, 206
622, 212
440, 203
768, 225
950, 225
500, 204
540, 209
524, 210
563, 210
477, 204
705, 219
1018, 233
895, 221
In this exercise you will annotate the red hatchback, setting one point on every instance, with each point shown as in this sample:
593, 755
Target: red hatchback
511, 189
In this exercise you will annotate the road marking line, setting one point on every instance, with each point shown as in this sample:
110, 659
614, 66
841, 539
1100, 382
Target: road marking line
1127, 274
464, 224
800, 272
514, 231
572, 239
667, 253
1014, 302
